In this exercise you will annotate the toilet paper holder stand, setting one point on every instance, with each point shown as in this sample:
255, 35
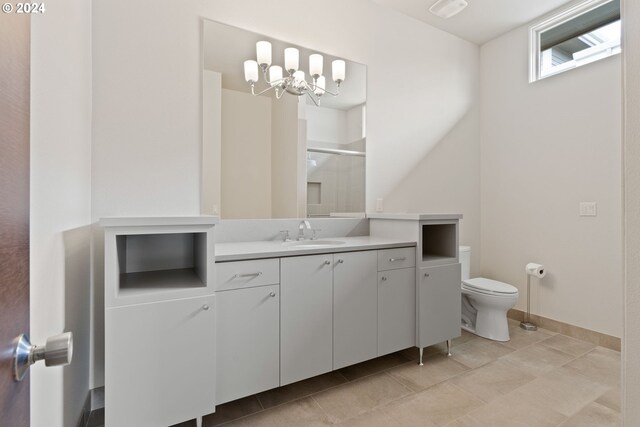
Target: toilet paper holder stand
539, 271
526, 324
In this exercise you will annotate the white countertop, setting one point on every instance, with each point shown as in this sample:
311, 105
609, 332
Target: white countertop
236, 251
413, 216
158, 220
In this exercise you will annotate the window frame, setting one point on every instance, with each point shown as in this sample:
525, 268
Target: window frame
555, 20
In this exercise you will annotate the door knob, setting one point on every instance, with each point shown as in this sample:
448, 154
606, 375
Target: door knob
58, 351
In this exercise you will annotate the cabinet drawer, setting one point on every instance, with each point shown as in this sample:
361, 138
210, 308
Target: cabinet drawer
390, 259
245, 274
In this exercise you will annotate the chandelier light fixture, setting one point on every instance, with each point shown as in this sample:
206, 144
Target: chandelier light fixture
294, 82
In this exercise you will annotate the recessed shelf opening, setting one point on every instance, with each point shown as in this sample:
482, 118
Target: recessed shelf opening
155, 262
438, 242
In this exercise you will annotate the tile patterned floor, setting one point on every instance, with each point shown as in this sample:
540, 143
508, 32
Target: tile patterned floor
537, 379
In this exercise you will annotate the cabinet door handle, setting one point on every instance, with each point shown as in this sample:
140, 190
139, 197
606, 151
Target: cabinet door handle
205, 307
272, 294
426, 274
327, 262
237, 276
383, 278
404, 258
340, 261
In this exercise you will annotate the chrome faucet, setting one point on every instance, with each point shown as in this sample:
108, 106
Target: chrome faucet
303, 224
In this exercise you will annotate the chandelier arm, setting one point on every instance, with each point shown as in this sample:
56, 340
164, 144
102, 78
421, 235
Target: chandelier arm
261, 92
313, 98
314, 87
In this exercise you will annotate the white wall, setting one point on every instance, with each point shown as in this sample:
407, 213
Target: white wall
246, 150
60, 205
631, 338
546, 147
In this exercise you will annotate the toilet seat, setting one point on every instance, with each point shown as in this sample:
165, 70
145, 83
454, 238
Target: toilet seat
489, 287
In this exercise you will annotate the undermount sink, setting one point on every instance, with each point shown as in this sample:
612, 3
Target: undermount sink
313, 243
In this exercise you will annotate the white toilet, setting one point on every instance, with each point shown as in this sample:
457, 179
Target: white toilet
485, 302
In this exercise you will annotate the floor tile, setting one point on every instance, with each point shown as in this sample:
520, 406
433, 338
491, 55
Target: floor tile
568, 345
562, 390
232, 411
594, 415
376, 418
510, 411
493, 380
600, 364
435, 406
300, 389
374, 366
302, 412
521, 338
478, 352
538, 359
357, 397
612, 399
436, 368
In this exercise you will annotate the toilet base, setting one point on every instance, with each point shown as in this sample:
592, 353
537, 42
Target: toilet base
502, 335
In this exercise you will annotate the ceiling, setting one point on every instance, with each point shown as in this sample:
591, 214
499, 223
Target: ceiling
481, 20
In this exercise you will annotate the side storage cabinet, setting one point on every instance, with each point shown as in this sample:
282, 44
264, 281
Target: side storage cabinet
158, 362
439, 304
160, 318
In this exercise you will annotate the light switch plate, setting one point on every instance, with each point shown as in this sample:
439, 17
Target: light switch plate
379, 205
588, 209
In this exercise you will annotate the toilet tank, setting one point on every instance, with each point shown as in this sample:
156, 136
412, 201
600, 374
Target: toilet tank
464, 253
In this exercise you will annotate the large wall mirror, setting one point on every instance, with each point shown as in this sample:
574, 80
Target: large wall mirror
265, 157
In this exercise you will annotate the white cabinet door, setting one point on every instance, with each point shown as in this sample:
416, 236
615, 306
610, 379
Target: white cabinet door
438, 304
247, 342
396, 310
306, 317
355, 307
160, 362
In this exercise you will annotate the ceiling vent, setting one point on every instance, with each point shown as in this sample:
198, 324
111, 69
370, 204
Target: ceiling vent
448, 8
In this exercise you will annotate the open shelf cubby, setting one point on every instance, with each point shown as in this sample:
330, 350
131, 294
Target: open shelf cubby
161, 262
439, 242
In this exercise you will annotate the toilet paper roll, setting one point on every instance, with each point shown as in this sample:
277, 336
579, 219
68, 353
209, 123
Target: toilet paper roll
536, 270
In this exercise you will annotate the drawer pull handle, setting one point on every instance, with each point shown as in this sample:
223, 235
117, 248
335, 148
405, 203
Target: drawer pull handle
238, 276
340, 261
426, 274
404, 258
272, 294
205, 307
384, 278
327, 262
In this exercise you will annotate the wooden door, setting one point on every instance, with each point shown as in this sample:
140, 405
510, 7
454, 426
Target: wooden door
14, 210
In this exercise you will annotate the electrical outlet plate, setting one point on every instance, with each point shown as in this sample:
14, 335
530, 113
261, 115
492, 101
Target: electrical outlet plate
588, 209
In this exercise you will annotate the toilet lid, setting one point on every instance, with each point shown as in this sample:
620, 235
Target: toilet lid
487, 285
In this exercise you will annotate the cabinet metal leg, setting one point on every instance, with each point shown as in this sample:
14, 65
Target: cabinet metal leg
199, 421
421, 351
449, 348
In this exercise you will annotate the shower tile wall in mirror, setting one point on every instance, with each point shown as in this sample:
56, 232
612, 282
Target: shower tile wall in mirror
265, 157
